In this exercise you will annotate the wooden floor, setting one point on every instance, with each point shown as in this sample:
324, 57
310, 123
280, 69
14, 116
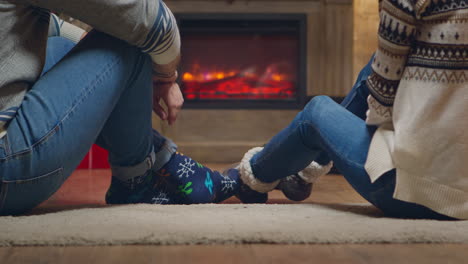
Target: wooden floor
87, 188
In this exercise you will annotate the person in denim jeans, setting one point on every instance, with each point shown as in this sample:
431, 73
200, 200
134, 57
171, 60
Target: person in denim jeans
326, 131
399, 137
100, 91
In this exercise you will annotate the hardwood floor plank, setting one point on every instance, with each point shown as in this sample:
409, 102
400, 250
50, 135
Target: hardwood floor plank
227, 254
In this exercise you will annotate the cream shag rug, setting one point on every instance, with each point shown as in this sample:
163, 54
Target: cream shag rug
223, 224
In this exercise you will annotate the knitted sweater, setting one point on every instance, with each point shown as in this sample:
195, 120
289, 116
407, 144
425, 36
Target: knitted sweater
24, 27
419, 100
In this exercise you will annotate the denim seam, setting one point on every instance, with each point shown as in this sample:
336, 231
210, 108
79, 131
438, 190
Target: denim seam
84, 94
59, 170
6, 145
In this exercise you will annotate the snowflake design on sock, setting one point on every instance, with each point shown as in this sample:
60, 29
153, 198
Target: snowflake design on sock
162, 198
135, 181
227, 183
185, 168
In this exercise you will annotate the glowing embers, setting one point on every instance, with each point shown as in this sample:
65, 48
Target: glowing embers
243, 61
275, 81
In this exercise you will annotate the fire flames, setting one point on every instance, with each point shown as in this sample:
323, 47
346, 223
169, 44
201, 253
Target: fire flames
238, 84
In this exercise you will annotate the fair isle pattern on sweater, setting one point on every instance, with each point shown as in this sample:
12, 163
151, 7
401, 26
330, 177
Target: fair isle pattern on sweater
436, 75
411, 35
420, 76
396, 32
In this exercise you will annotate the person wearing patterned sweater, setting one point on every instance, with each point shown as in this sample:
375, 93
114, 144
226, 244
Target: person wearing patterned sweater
400, 137
57, 99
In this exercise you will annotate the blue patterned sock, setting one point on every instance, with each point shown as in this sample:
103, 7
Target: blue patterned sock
141, 189
195, 183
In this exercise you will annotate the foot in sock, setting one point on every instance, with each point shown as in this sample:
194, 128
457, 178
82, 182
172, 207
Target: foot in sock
245, 193
180, 181
295, 187
195, 183
141, 189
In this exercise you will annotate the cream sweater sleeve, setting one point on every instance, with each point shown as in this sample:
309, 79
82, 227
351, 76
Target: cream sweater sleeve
397, 30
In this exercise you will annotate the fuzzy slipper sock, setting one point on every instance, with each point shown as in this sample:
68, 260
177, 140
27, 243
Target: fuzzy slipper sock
308, 175
247, 176
298, 187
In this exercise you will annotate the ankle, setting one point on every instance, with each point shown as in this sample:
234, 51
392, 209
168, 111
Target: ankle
248, 177
131, 176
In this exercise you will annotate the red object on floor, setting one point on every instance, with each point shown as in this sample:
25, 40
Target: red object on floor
95, 159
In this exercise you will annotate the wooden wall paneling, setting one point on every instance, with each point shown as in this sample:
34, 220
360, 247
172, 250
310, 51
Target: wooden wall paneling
337, 59
366, 22
315, 50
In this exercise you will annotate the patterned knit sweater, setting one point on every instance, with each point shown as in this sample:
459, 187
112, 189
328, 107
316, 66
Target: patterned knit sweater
24, 27
419, 100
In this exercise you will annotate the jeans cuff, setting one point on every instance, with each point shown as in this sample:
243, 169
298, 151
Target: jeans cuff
127, 173
164, 154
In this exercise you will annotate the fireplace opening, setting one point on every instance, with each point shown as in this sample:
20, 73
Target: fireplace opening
243, 60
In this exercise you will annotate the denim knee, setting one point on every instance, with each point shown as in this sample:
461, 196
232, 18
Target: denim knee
128, 54
314, 108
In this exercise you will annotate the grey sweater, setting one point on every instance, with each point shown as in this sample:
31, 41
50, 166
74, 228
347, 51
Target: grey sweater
24, 27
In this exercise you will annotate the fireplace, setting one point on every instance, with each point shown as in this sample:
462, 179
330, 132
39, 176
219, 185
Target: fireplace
239, 89
238, 61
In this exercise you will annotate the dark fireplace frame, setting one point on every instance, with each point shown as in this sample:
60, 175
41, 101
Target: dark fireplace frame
252, 22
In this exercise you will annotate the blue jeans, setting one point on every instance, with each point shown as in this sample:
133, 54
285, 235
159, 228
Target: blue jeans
97, 92
326, 131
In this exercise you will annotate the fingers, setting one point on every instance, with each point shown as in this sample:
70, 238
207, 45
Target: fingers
173, 113
159, 110
157, 107
174, 101
169, 91
172, 97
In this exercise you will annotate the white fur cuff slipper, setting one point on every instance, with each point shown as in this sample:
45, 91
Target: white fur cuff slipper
247, 176
309, 174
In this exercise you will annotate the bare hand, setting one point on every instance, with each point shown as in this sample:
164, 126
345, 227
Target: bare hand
165, 88
172, 96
